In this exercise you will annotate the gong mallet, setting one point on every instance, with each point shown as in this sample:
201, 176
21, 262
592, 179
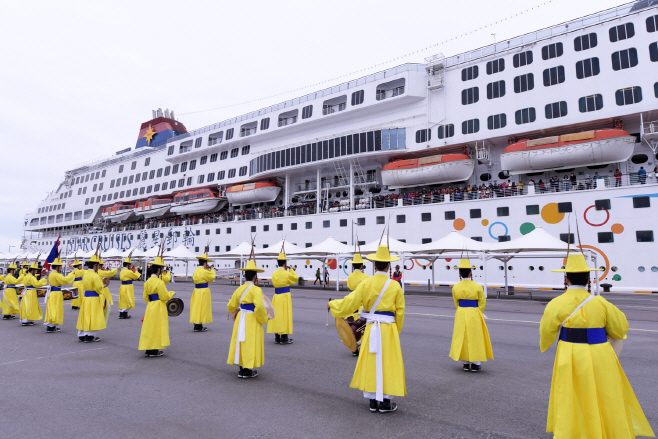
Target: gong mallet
328, 311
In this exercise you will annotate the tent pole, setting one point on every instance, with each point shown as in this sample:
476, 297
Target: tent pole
403, 272
596, 276
506, 287
484, 265
337, 275
433, 284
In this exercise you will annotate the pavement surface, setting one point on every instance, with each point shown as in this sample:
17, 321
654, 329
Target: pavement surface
53, 386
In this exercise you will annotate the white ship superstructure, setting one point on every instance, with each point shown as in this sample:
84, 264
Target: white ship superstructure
469, 142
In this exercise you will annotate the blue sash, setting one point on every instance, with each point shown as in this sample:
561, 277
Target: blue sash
584, 335
55, 289
205, 285
383, 313
465, 303
154, 297
247, 306
282, 290
77, 279
91, 294
126, 282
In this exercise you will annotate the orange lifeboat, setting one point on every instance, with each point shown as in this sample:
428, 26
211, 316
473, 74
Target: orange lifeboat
435, 169
119, 212
153, 207
588, 148
197, 201
249, 193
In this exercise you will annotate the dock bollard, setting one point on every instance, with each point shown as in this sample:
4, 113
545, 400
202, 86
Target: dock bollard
428, 286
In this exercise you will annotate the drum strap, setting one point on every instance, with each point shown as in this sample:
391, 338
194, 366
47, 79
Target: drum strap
591, 296
241, 327
375, 340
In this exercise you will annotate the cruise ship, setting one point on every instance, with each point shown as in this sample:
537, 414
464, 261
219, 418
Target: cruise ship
540, 130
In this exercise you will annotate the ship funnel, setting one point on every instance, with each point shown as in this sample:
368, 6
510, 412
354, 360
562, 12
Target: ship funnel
171, 114
153, 112
167, 112
159, 112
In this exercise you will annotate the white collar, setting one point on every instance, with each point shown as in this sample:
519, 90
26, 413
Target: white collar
577, 287
385, 273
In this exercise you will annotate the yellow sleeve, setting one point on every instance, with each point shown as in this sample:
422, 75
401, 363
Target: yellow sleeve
209, 275
616, 324
98, 285
259, 308
20, 279
68, 279
134, 276
147, 285
549, 326
103, 273
162, 292
454, 298
233, 303
482, 301
346, 306
40, 283
399, 309
292, 277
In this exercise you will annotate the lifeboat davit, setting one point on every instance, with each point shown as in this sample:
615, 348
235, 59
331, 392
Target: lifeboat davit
588, 148
197, 201
435, 169
252, 193
119, 212
153, 207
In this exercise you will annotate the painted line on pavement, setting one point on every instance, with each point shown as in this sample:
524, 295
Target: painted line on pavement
57, 355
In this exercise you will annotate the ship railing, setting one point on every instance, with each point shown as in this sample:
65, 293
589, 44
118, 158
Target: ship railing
385, 94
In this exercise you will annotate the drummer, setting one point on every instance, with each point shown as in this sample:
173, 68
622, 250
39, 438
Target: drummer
30, 308
77, 283
470, 337
590, 393
55, 297
10, 306
247, 348
282, 278
379, 370
107, 296
353, 280
127, 291
201, 302
154, 337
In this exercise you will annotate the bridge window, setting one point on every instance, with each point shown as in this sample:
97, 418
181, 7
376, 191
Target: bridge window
524, 83
587, 67
469, 73
622, 32
553, 76
556, 109
551, 51
627, 96
624, 59
495, 66
585, 42
390, 89
590, 103
526, 115
495, 89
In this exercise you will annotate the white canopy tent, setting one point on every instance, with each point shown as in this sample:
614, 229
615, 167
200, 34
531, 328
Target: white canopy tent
273, 250
112, 253
328, 249
181, 253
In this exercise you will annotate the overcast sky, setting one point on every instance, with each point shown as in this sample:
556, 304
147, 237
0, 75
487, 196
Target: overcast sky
78, 77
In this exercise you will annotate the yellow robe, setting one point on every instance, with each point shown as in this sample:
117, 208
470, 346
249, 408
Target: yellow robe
106, 293
590, 394
252, 350
201, 304
91, 316
166, 277
78, 284
55, 302
392, 362
155, 328
282, 303
355, 278
127, 292
470, 337
10, 298
30, 308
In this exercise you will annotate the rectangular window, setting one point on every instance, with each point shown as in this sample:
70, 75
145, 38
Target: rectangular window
200, 179
503, 238
522, 59
553, 76
309, 225
264, 124
231, 173
584, 42
181, 182
556, 109
532, 209
551, 51
652, 23
567, 237
213, 158
495, 89
426, 240
497, 121
423, 135
152, 175
197, 142
644, 235
446, 131
564, 207
343, 223
653, 52
628, 96
640, 202
326, 224
357, 97
450, 215
524, 83
147, 161
624, 59
426, 216
590, 103
621, 32
170, 150
606, 237
495, 66
293, 226
361, 221
221, 175
476, 213
120, 171
243, 171
469, 73
203, 160
476, 238
401, 219
155, 188
229, 133
470, 95
471, 126
165, 186
307, 111
587, 67
380, 220
526, 115
189, 181
503, 211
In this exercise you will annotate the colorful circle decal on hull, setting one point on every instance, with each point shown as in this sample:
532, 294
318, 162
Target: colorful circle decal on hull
607, 212
605, 258
550, 214
459, 224
617, 229
502, 224
526, 228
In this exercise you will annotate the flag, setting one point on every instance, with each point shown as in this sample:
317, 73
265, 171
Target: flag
52, 255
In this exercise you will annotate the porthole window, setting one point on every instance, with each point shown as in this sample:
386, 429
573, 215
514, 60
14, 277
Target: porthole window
613, 268
639, 158
541, 268
531, 268
481, 267
501, 267
654, 269
447, 267
640, 269
510, 267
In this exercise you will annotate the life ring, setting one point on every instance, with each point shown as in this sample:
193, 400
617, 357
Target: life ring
421, 265
412, 265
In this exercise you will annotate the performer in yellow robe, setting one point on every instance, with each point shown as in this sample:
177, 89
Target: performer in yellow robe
379, 370
77, 283
590, 394
107, 304
282, 278
90, 317
30, 308
201, 303
470, 337
155, 326
10, 305
24, 268
55, 297
127, 291
247, 348
357, 275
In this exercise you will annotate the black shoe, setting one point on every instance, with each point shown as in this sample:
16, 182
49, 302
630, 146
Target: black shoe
5, 317
277, 338
154, 353
75, 307
29, 324
11, 317
50, 329
91, 339
240, 372
249, 373
355, 353
374, 406
285, 339
476, 368
82, 338
466, 367
387, 406
23, 323
200, 328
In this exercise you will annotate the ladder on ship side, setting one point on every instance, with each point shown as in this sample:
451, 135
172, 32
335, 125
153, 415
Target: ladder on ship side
359, 175
342, 174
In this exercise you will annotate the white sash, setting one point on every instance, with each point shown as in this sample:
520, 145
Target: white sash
241, 327
591, 296
375, 340
45, 299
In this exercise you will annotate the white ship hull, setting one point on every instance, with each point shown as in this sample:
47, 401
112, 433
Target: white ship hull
458, 170
203, 206
258, 195
597, 152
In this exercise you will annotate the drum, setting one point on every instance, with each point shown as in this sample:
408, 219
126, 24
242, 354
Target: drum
350, 331
175, 307
70, 293
268, 307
